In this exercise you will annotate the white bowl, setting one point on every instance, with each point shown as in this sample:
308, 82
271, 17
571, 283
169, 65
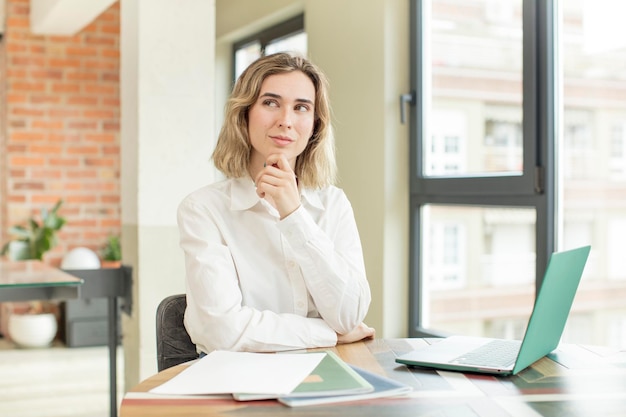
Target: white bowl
33, 330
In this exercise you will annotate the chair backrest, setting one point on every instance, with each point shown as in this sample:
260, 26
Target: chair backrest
173, 343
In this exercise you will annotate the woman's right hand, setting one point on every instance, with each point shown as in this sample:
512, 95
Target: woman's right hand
360, 332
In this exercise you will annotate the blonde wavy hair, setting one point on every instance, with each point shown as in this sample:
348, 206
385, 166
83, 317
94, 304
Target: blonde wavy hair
315, 166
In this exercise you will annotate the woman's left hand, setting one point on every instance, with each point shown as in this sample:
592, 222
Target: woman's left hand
278, 181
360, 332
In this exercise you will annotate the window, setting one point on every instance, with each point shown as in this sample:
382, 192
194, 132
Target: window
518, 149
288, 36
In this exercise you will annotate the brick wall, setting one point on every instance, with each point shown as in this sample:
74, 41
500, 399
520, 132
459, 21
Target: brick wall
60, 129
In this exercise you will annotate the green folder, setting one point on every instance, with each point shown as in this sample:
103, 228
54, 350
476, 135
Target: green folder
331, 377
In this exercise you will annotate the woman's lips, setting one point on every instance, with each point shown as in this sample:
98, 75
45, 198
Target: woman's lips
281, 140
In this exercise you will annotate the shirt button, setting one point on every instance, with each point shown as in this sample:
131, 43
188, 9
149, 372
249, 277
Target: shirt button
300, 304
291, 264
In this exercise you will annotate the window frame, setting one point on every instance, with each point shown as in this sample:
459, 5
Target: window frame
266, 36
535, 188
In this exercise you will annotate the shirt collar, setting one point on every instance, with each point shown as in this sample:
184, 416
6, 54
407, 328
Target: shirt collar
243, 195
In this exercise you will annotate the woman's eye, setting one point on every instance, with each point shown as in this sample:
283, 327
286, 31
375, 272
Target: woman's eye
270, 103
302, 108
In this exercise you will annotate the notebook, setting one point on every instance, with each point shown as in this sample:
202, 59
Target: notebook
383, 387
508, 357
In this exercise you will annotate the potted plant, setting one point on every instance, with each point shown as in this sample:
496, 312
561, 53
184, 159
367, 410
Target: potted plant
35, 239
111, 253
34, 324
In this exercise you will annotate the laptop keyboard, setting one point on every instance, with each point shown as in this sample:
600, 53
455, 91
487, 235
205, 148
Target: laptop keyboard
497, 353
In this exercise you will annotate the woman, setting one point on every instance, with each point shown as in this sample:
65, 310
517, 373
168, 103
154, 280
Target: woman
273, 255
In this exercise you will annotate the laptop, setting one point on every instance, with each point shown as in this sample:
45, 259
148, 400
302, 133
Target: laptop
508, 357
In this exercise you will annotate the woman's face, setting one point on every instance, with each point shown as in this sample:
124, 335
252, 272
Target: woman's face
281, 120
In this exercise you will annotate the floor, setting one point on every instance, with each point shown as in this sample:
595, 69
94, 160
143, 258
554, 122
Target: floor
56, 381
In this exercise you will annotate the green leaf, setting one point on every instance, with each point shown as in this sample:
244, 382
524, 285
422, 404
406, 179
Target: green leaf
40, 236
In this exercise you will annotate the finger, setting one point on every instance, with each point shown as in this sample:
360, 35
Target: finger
278, 161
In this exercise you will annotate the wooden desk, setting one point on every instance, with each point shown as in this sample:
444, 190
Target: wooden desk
572, 381
35, 280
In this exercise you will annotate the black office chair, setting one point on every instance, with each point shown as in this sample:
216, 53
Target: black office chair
173, 343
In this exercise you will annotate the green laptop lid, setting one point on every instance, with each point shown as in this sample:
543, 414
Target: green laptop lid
552, 305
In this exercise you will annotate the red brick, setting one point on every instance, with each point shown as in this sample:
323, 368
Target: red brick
82, 124
16, 48
107, 222
59, 88
83, 173
111, 126
82, 100
46, 173
19, 186
27, 111
16, 73
100, 89
45, 200
81, 76
45, 99
71, 186
83, 150
13, 148
110, 199
63, 113
110, 76
25, 161
64, 162
27, 86
26, 136
81, 51
14, 98
111, 29
81, 199
62, 137
17, 123
32, 61
100, 64
84, 223
45, 149
101, 138
100, 162
101, 40
99, 114
17, 22
17, 173
48, 74
112, 102
110, 53
64, 63
16, 198
111, 150
48, 124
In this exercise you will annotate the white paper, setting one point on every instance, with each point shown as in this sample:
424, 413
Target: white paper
222, 372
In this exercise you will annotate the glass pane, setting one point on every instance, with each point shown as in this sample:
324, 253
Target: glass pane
593, 164
293, 43
245, 56
474, 118
478, 272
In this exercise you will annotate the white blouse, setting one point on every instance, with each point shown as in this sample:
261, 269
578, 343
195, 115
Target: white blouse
258, 283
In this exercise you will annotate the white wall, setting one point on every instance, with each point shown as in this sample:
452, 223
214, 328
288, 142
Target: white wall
167, 103
363, 48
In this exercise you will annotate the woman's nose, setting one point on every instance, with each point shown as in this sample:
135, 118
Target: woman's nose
285, 119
